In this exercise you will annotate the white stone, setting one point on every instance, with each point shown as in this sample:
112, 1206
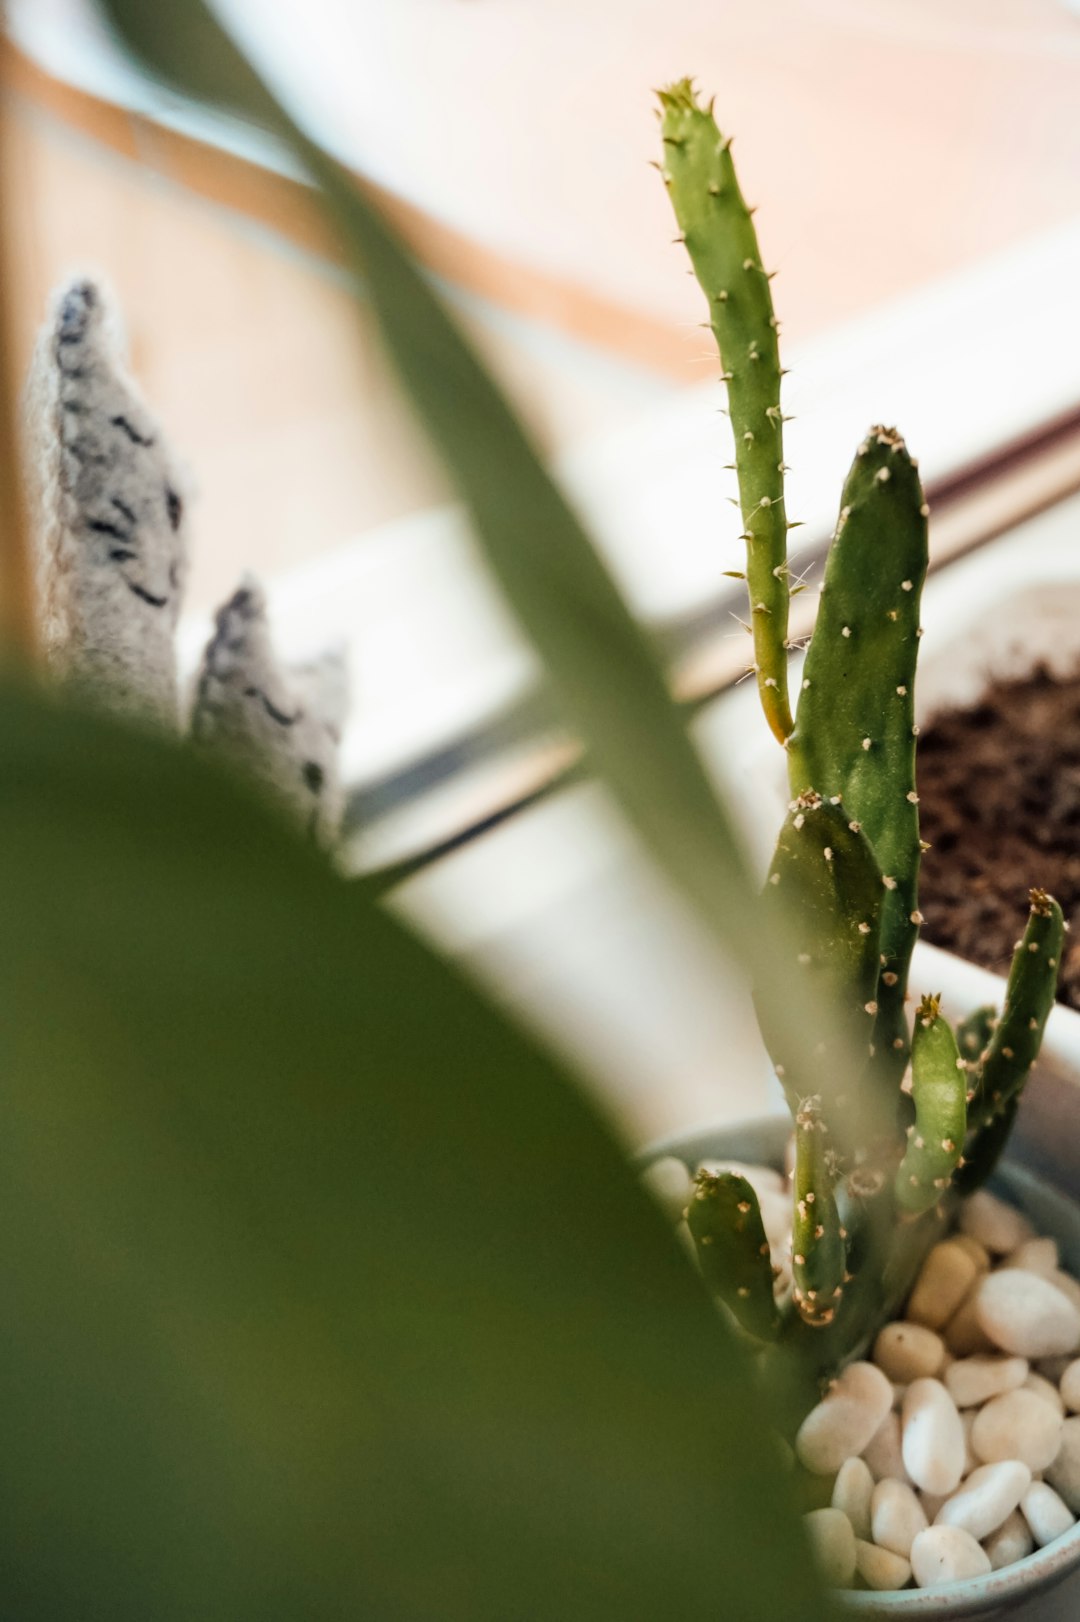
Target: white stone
974, 1380
883, 1454
896, 1516
1046, 1390
1011, 1542
1068, 1286
979, 1253
932, 1437
998, 1226
881, 1569
964, 1334
908, 1351
947, 1275
845, 1421
1027, 1315
1019, 1425
852, 1492
775, 1218
945, 1554
832, 1543
1070, 1386
1035, 1256
987, 1497
670, 1185
1045, 1513
1064, 1474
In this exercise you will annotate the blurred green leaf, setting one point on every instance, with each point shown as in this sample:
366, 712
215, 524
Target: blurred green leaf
325, 1294
607, 680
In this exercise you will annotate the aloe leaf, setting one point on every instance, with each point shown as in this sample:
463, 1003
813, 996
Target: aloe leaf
325, 1292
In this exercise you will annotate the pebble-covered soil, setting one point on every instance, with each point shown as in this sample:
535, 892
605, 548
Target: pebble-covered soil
999, 802
954, 1448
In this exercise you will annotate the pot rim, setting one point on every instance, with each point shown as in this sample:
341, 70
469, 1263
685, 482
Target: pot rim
975, 1596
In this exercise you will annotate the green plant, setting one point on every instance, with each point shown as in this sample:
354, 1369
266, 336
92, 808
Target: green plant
876, 1170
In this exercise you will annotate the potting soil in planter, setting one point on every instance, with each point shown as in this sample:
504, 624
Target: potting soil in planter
954, 1449
999, 803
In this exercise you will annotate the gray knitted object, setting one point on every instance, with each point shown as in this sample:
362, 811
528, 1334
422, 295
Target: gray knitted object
113, 545
282, 728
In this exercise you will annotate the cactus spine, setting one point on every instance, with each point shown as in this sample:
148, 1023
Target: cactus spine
872, 1185
718, 230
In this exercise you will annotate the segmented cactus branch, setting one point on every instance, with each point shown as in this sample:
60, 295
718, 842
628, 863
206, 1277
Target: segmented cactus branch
719, 233
826, 888
855, 723
724, 1218
939, 1085
1029, 997
818, 1260
973, 1036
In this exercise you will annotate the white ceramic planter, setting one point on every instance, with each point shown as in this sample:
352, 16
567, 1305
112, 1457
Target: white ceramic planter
1046, 1586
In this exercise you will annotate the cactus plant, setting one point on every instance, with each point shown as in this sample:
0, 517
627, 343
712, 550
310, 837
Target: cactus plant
879, 1162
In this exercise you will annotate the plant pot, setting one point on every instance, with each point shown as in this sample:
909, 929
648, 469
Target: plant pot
1046, 1586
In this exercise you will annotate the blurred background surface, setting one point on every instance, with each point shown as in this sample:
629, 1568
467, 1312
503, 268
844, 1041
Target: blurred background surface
916, 164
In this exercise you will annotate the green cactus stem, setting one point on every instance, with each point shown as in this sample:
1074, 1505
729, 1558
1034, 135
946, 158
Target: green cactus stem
825, 887
719, 234
855, 724
724, 1219
819, 1258
986, 1148
1029, 997
939, 1085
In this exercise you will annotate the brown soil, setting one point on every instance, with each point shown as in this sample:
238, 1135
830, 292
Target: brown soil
999, 800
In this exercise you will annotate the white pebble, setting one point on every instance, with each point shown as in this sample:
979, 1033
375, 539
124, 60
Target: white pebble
908, 1351
896, 1517
964, 1334
670, 1185
1070, 1386
775, 1218
1068, 1286
1019, 1425
987, 1497
1045, 1513
1064, 1474
1035, 1256
978, 1253
974, 1380
845, 1421
1046, 1390
881, 1569
947, 1275
1027, 1315
832, 1543
852, 1492
1011, 1542
932, 1437
998, 1226
945, 1554
882, 1453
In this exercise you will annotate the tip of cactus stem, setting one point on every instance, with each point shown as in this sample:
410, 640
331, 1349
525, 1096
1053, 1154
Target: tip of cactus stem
1042, 903
679, 97
929, 1010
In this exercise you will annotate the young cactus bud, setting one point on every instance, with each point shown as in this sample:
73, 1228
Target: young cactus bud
720, 238
973, 1036
1029, 997
855, 726
725, 1220
939, 1085
818, 1261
